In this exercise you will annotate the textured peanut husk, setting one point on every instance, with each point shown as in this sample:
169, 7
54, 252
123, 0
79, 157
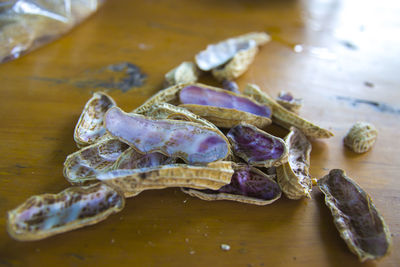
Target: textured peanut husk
211, 196
90, 122
82, 166
236, 66
186, 72
265, 163
349, 225
361, 137
227, 117
293, 176
212, 176
48, 199
285, 118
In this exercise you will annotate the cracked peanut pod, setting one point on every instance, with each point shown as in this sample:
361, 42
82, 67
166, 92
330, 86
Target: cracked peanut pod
82, 166
50, 214
192, 142
248, 185
89, 128
257, 147
186, 72
214, 175
355, 216
131, 159
285, 118
236, 66
286, 100
223, 108
293, 176
220, 53
361, 137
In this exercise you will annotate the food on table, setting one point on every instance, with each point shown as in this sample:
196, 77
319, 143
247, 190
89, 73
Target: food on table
356, 218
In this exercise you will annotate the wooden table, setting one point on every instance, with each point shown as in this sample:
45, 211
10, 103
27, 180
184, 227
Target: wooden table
341, 57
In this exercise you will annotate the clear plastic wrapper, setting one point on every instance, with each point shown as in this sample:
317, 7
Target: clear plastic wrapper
28, 24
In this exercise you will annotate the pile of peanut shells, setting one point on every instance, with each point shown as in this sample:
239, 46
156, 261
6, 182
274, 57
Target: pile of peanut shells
209, 141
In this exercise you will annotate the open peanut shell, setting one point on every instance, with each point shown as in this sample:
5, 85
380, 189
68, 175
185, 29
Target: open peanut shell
257, 147
293, 176
130, 182
83, 166
192, 142
90, 128
248, 185
50, 214
356, 218
223, 108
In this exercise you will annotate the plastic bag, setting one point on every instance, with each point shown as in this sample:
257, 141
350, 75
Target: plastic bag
28, 24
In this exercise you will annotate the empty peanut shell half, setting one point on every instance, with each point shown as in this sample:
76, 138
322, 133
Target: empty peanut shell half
361, 137
214, 175
85, 164
192, 142
293, 176
248, 185
223, 108
237, 65
186, 72
257, 147
355, 216
49, 214
285, 118
218, 54
89, 128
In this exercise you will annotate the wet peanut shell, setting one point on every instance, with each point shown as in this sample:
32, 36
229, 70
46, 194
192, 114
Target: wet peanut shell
236, 66
257, 147
361, 137
89, 128
243, 188
293, 176
83, 166
213, 176
285, 118
192, 142
50, 214
356, 218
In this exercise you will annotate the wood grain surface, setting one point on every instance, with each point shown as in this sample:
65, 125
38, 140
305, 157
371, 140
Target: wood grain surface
341, 57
